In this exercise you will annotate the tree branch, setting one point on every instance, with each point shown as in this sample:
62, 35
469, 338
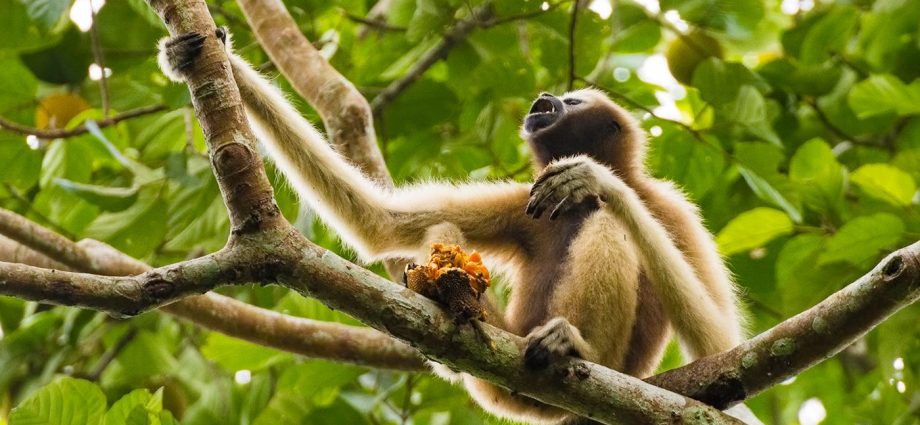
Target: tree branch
312, 338
119, 296
80, 129
804, 340
588, 389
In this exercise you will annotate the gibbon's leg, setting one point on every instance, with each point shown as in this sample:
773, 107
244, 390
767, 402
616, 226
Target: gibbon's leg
378, 223
593, 306
704, 327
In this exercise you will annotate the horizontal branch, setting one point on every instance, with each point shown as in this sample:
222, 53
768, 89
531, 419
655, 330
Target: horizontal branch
34, 245
804, 340
80, 129
120, 296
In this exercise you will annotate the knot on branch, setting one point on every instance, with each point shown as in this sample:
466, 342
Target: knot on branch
158, 289
894, 267
233, 158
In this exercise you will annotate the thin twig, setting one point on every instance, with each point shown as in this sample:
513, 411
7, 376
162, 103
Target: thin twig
80, 129
819, 112
111, 355
373, 23
459, 32
573, 23
481, 18
526, 15
100, 62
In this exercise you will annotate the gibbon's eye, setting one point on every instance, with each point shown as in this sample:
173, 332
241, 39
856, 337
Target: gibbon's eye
571, 101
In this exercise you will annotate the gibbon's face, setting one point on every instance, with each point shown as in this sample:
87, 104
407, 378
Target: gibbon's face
580, 122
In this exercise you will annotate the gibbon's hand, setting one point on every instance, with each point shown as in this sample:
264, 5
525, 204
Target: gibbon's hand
566, 185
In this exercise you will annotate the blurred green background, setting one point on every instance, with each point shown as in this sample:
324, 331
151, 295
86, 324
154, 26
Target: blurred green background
793, 125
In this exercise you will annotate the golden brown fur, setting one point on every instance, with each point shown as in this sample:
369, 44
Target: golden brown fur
626, 257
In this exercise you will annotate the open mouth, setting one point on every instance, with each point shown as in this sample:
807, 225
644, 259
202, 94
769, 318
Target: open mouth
544, 112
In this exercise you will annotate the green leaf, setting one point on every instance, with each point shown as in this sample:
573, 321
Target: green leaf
235, 354
148, 354
753, 229
47, 12
137, 230
66, 62
305, 386
298, 305
20, 32
828, 35
747, 108
798, 257
885, 182
764, 190
67, 159
719, 82
17, 84
108, 198
638, 38
66, 401
810, 80
884, 93
818, 175
430, 17
695, 165
139, 400
22, 164
863, 239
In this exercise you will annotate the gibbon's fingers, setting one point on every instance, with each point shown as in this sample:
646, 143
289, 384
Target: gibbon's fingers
542, 192
563, 206
550, 171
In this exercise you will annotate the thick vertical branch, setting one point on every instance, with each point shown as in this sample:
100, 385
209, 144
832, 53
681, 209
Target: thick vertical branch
231, 143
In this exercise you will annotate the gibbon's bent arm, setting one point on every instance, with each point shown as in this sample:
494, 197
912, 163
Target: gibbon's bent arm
375, 221
705, 326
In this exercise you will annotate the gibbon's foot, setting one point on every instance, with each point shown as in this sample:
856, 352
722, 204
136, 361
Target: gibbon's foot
566, 185
550, 343
178, 54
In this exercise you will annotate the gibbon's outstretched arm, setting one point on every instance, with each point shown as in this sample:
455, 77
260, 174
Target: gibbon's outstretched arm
376, 222
704, 324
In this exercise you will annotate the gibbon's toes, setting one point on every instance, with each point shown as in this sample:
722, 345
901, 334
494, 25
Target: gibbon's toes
182, 50
550, 343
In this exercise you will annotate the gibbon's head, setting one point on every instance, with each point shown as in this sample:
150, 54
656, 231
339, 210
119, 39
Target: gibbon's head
583, 122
